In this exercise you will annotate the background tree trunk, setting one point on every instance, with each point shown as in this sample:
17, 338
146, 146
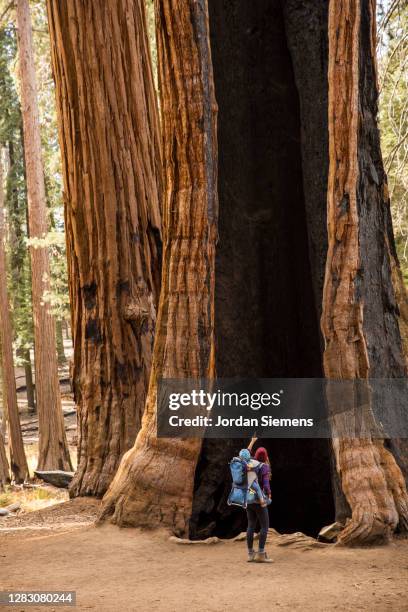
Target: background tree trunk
4, 467
60, 342
53, 447
18, 459
355, 312
109, 136
24, 355
154, 483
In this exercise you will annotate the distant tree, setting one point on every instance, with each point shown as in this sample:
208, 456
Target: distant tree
53, 447
18, 459
4, 467
19, 277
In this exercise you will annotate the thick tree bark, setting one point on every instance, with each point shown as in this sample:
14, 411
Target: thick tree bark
274, 255
53, 448
109, 136
154, 483
355, 315
18, 459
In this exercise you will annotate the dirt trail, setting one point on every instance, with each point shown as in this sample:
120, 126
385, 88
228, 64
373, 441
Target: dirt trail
125, 570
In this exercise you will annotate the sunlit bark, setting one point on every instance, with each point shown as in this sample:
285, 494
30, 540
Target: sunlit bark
109, 136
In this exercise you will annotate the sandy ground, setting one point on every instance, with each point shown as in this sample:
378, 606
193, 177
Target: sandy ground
115, 569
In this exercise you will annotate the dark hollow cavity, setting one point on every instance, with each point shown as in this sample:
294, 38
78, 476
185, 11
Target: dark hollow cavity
270, 66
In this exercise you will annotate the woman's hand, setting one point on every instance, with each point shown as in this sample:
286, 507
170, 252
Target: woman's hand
252, 442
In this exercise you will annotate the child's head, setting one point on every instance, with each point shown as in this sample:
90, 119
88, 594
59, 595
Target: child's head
244, 454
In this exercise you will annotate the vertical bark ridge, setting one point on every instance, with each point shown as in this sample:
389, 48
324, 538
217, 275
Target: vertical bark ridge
371, 479
109, 136
154, 483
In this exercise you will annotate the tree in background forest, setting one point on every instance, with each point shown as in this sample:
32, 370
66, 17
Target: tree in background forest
19, 277
19, 272
109, 137
53, 448
18, 459
4, 467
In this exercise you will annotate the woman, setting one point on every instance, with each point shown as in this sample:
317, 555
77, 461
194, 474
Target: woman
257, 513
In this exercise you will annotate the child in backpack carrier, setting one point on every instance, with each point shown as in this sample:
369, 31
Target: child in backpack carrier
253, 483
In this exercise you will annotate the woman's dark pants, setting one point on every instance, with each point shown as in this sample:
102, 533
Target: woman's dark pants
255, 512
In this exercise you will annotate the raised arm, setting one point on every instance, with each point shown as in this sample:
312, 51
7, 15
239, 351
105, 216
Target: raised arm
252, 442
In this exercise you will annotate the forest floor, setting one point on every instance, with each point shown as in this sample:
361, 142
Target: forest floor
114, 569
38, 494
52, 544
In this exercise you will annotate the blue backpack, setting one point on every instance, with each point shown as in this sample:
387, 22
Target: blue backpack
239, 472
241, 493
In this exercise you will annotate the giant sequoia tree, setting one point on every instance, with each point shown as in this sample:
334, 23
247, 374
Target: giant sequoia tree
111, 161
155, 479
304, 234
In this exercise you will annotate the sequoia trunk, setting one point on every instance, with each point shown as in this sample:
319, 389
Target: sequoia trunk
154, 483
18, 460
282, 93
360, 316
109, 136
53, 450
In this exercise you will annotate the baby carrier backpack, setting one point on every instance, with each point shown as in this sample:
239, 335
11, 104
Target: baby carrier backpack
242, 493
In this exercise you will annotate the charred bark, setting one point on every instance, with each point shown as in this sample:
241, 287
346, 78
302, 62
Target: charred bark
112, 176
272, 245
154, 483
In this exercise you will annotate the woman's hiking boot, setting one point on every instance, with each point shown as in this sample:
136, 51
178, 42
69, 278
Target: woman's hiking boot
262, 557
251, 556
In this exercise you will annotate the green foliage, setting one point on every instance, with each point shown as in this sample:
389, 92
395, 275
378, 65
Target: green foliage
393, 76
11, 138
58, 295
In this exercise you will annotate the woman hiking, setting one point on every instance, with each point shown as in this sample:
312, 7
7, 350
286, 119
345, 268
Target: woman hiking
257, 513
